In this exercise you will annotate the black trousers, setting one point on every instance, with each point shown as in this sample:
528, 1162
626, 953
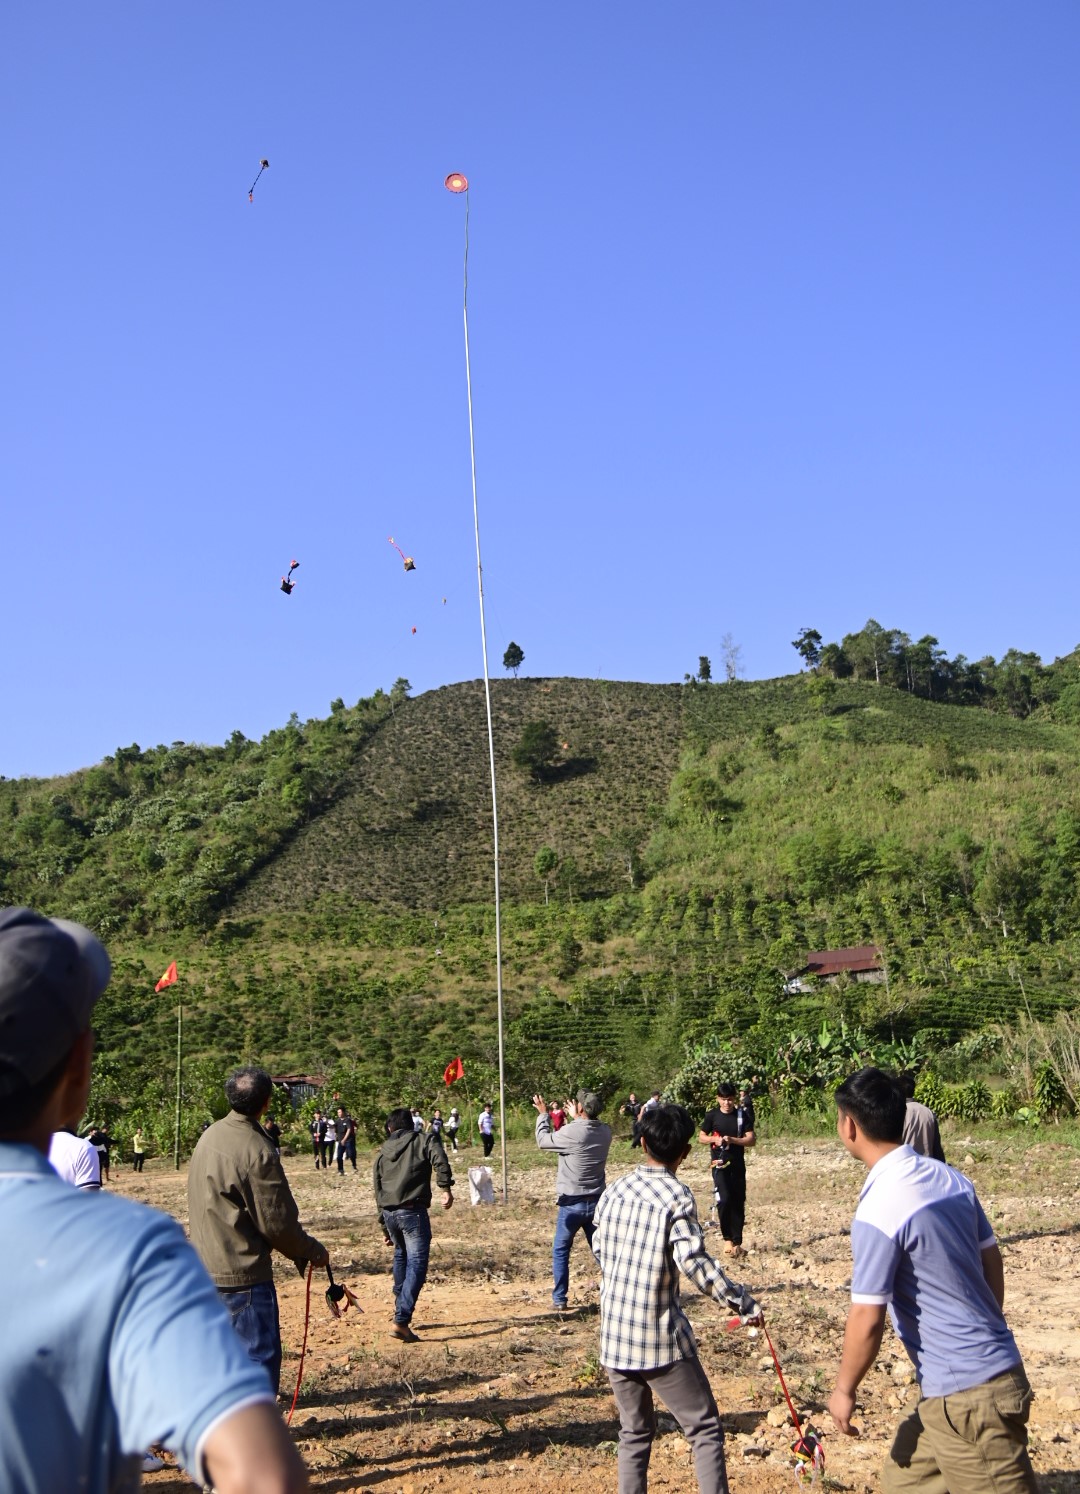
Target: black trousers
489, 1142
729, 1190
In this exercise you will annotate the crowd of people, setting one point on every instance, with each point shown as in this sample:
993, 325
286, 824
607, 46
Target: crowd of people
177, 1345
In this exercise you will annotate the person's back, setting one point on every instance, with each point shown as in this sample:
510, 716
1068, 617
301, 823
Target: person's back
921, 1130
926, 1216
80, 1400
403, 1168
582, 1147
646, 1233
402, 1182
75, 1160
113, 1338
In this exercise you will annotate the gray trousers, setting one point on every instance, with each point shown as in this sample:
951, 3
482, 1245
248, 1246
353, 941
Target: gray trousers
685, 1391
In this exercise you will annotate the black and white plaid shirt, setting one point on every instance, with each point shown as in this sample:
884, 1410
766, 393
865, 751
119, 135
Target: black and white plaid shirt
647, 1231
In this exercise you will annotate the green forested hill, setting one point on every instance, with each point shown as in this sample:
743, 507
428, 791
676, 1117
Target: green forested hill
327, 891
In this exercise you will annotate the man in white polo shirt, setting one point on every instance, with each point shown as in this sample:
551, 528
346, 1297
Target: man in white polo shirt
923, 1250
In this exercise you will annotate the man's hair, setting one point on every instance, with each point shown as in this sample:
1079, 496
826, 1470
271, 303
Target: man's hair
906, 1081
666, 1131
725, 1091
247, 1090
875, 1102
399, 1120
21, 1109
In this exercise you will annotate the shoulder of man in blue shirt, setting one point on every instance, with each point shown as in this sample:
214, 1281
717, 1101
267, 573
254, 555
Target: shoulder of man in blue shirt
114, 1337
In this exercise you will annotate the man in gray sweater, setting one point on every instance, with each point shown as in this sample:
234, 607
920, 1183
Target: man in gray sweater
582, 1148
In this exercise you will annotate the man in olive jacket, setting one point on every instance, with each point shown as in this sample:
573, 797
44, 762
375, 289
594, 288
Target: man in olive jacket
402, 1179
240, 1210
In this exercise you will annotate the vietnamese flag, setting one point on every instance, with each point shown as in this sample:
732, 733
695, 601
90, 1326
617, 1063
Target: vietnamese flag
455, 1069
168, 978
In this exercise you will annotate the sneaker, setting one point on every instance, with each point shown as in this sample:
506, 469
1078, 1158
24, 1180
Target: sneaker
150, 1464
404, 1333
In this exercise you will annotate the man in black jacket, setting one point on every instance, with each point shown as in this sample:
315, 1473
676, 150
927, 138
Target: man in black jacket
403, 1171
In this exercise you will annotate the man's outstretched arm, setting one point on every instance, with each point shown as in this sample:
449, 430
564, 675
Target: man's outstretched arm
862, 1340
250, 1452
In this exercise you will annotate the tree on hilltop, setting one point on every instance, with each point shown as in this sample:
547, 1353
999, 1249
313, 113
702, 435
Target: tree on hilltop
514, 658
808, 647
704, 669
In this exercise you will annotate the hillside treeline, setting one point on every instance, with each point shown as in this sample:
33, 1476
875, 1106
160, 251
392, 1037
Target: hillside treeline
1018, 683
163, 838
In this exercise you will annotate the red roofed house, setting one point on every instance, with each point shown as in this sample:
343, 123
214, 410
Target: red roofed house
862, 962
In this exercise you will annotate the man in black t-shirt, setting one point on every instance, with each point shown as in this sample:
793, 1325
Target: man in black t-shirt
632, 1108
725, 1130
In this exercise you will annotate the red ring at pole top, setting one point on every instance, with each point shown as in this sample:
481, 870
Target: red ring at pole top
455, 182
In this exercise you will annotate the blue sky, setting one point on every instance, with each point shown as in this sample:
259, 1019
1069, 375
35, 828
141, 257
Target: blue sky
774, 318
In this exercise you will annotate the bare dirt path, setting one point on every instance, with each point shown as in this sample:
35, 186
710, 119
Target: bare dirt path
501, 1392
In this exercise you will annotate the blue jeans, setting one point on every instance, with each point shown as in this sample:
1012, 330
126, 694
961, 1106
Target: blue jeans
410, 1230
254, 1313
570, 1218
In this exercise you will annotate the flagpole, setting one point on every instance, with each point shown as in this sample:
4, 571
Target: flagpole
457, 183
179, 1055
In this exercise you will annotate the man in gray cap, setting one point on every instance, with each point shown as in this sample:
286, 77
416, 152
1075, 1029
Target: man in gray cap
95, 1366
582, 1147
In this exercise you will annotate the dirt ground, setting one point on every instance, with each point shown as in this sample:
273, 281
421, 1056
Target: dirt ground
502, 1392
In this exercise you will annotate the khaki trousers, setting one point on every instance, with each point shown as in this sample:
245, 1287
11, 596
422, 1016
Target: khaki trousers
973, 1442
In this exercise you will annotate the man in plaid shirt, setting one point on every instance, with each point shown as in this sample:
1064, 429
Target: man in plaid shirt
647, 1231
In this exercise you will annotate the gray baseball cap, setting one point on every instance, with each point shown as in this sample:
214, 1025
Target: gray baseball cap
590, 1102
51, 974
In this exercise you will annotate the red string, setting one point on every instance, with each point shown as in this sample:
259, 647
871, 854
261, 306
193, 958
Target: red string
303, 1349
783, 1386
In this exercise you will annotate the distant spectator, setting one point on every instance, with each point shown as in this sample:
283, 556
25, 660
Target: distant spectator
318, 1138
273, 1130
921, 1130
632, 1108
453, 1125
417, 1119
330, 1141
486, 1126
346, 1139
101, 1141
437, 1123
138, 1149
557, 1116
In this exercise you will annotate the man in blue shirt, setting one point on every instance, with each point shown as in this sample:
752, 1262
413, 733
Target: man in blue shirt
97, 1365
924, 1252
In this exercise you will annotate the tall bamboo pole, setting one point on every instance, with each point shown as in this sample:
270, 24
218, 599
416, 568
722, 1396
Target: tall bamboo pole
457, 183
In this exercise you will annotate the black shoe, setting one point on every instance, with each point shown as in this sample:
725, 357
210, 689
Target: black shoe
404, 1333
